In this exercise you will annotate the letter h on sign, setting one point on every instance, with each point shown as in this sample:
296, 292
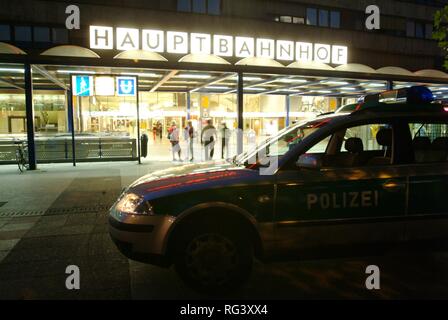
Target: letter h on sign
101, 37
304, 51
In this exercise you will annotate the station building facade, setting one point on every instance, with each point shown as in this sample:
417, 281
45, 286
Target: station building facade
254, 65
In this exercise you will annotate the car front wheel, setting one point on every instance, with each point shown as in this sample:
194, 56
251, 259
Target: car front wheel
213, 259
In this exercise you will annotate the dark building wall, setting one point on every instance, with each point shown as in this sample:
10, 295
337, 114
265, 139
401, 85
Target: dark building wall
256, 18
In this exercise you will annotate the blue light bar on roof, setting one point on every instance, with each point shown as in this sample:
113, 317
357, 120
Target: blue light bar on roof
415, 94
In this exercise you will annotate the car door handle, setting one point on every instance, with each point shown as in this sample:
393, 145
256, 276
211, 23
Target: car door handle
392, 185
264, 199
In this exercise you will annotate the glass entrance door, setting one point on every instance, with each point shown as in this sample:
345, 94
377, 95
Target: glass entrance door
106, 128
105, 122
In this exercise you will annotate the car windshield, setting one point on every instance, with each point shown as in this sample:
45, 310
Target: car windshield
280, 144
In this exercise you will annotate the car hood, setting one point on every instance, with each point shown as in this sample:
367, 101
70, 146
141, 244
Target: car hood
191, 177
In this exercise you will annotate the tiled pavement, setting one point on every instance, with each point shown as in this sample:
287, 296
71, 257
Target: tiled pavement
35, 250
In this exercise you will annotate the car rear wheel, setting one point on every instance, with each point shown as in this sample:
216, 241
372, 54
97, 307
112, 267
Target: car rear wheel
213, 259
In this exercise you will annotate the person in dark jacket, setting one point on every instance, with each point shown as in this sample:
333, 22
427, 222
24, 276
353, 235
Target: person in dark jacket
188, 137
225, 139
208, 139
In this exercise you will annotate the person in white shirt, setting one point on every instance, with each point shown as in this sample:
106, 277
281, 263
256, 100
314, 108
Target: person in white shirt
251, 136
173, 132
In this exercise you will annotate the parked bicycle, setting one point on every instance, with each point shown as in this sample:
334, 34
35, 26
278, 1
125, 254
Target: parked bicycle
21, 155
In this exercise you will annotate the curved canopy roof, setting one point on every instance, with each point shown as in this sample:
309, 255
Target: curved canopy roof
6, 48
259, 62
70, 51
395, 71
203, 58
137, 55
310, 65
431, 73
355, 67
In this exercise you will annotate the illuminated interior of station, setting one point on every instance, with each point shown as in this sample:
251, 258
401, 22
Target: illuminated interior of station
105, 124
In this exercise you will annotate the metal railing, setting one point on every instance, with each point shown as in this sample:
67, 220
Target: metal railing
60, 150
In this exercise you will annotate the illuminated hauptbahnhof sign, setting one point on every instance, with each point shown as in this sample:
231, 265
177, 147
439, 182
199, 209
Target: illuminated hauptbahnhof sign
102, 37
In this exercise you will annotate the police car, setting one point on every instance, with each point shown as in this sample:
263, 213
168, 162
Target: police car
377, 175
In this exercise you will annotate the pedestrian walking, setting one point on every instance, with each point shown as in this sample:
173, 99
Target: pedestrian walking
160, 130
154, 132
250, 136
225, 139
208, 139
173, 136
188, 137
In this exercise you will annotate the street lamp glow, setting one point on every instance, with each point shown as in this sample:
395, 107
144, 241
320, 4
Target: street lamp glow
287, 90
194, 76
75, 72
336, 83
252, 78
374, 84
287, 80
12, 70
247, 78
145, 75
217, 87
255, 89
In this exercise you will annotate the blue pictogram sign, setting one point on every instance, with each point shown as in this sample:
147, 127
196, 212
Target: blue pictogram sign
126, 86
83, 86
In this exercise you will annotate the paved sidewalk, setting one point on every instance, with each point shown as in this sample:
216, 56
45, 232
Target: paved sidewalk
41, 233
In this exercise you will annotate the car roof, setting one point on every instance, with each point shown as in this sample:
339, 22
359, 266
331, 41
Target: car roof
390, 110
347, 108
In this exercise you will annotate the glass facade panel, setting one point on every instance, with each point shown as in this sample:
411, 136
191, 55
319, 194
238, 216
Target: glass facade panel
53, 141
419, 30
323, 18
264, 116
159, 111
5, 32
41, 34
410, 29
214, 7
60, 36
335, 19
12, 114
13, 120
105, 127
23, 34
311, 16
221, 110
199, 6
184, 5
428, 31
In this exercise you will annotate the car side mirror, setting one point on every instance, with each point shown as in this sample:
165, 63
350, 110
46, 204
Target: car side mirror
309, 161
264, 162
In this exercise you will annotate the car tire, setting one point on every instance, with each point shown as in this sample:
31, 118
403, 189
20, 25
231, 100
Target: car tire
213, 258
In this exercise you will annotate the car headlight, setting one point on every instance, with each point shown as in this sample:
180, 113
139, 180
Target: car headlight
134, 204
